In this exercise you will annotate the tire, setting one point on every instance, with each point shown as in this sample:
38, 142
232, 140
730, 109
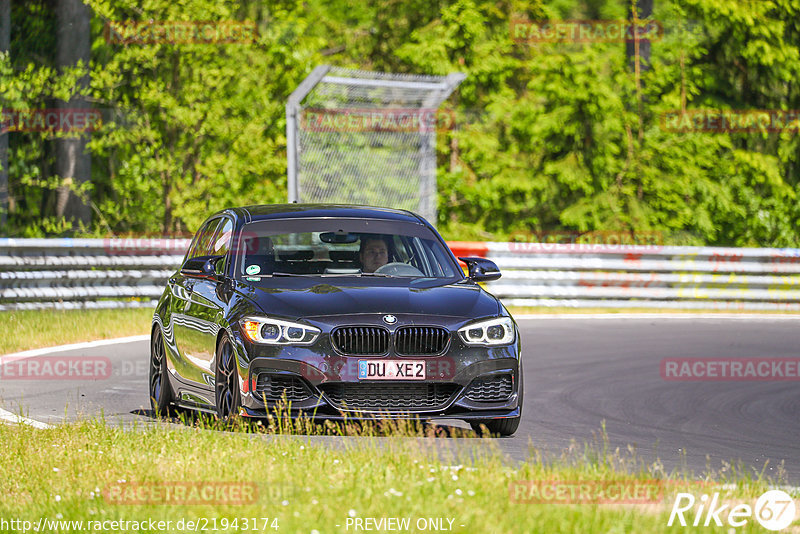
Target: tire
226, 383
159, 388
503, 427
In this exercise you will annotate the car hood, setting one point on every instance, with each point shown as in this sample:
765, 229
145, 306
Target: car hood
309, 297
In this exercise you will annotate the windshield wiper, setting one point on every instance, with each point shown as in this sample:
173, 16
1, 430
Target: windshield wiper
332, 274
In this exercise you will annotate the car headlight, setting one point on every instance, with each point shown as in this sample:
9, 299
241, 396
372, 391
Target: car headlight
278, 332
499, 331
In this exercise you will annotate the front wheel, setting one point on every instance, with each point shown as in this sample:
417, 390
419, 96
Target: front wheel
160, 391
503, 427
226, 383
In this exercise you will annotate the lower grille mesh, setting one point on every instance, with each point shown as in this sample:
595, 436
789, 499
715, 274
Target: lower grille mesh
272, 386
390, 397
490, 388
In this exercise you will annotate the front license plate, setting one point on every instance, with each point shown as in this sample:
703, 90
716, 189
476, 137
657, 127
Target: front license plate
391, 370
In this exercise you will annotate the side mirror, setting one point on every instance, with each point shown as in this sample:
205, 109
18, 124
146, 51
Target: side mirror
481, 269
201, 267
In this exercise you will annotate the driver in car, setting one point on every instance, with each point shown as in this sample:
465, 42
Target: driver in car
373, 254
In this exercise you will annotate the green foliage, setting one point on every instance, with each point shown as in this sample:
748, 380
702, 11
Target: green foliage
198, 127
580, 148
550, 137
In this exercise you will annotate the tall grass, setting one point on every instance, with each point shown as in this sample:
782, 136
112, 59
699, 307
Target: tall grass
395, 470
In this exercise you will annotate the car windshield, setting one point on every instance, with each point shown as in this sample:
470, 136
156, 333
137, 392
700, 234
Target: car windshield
341, 247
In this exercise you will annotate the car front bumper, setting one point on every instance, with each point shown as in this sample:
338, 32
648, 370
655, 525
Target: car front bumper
324, 383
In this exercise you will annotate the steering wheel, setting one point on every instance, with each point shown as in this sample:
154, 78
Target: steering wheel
399, 268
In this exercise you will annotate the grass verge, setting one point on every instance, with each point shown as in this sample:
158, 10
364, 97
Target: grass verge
33, 329
90, 471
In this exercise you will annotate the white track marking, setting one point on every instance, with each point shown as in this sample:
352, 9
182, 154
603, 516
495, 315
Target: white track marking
16, 356
75, 346
14, 418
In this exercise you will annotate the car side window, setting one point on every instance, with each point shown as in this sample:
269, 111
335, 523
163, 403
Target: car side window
191, 253
437, 262
403, 254
207, 243
221, 243
222, 238
202, 243
419, 256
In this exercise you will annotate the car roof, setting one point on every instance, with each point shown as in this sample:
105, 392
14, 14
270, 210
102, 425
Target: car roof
293, 211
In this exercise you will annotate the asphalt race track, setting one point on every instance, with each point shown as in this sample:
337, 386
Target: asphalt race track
579, 372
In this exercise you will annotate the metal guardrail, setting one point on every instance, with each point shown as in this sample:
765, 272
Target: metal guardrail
637, 276
86, 273
101, 273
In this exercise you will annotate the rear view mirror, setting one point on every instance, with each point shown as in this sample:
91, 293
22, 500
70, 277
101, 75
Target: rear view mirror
339, 237
201, 267
481, 269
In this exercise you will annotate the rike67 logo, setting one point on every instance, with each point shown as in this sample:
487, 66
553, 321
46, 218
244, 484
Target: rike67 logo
774, 510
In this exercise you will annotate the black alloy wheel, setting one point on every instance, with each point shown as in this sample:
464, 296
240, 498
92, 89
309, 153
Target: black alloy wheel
160, 391
226, 382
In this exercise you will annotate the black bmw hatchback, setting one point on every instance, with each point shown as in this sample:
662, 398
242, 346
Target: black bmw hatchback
344, 311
